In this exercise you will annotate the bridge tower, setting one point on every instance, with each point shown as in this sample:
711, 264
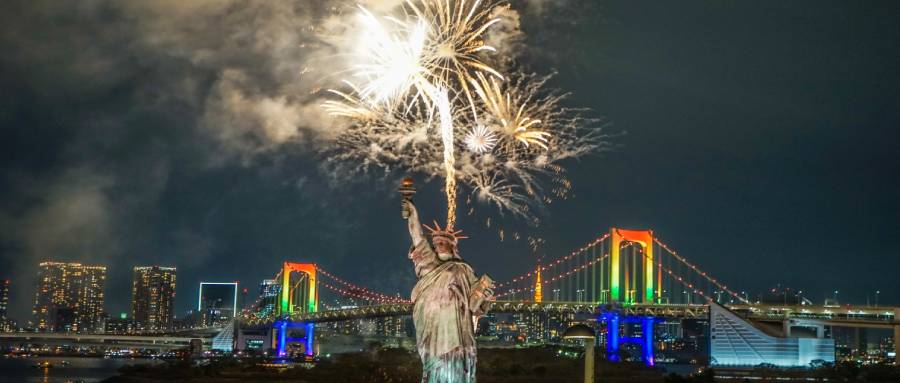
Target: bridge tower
305, 289
636, 289
644, 238
287, 295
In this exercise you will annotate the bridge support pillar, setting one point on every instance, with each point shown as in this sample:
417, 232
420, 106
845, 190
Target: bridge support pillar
281, 337
614, 340
612, 336
647, 335
310, 339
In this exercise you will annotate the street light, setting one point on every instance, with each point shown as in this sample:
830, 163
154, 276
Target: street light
877, 293
587, 335
556, 295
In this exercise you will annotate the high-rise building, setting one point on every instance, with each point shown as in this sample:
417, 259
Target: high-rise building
153, 297
5, 323
4, 297
268, 296
217, 302
69, 297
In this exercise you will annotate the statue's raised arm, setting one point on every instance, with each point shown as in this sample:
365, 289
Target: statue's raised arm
413, 223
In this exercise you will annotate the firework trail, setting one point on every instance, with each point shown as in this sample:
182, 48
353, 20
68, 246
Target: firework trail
446, 116
424, 75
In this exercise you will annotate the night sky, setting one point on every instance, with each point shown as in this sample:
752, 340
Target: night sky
758, 138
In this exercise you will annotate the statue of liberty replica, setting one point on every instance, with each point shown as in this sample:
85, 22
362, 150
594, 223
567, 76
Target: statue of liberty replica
447, 300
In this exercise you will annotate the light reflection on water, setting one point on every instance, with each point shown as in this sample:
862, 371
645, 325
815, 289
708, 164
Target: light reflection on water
78, 370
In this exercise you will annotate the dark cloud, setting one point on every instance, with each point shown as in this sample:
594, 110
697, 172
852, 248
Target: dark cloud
142, 132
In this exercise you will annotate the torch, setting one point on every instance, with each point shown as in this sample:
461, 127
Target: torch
407, 191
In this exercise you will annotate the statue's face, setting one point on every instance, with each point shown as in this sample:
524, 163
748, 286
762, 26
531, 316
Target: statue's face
443, 246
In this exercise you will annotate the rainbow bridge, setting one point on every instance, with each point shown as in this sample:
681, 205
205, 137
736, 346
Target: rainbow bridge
624, 279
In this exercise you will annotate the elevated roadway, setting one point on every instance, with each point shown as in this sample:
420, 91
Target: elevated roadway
850, 316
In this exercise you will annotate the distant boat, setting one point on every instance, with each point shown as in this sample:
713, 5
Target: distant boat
43, 364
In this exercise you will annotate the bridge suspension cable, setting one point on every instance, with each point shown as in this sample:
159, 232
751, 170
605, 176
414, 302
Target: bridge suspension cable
555, 263
701, 272
362, 292
557, 277
684, 282
353, 294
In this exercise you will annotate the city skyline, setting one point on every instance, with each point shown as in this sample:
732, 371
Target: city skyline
758, 140
268, 290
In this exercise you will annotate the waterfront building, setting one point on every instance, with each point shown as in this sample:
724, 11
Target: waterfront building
187, 320
507, 331
348, 327
737, 342
217, 302
153, 297
487, 325
532, 327
120, 325
69, 297
394, 326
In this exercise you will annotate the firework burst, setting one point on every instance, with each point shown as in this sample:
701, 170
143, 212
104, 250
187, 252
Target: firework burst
426, 97
480, 140
510, 111
453, 57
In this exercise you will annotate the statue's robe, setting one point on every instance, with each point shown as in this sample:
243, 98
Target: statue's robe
445, 332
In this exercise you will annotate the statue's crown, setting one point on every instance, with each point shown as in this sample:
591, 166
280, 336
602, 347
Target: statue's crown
446, 233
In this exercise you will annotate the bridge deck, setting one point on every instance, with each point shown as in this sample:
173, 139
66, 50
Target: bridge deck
836, 316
